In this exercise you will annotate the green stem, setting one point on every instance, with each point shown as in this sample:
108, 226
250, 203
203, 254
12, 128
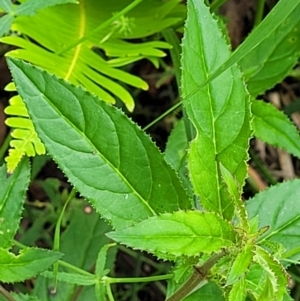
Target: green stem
259, 12
137, 279
216, 5
74, 268
174, 107
102, 26
199, 275
56, 244
109, 292
6, 294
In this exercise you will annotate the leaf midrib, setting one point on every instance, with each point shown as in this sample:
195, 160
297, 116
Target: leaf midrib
74, 127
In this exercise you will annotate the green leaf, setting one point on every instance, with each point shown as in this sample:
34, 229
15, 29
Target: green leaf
180, 233
92, 143
271, 60
275, 208
100, 271
86, 228
274, 127
176, 154
277, 18
30, 7
25, 139
240, 264
72, 278
29, 263
238, 291
209, 292
23, 297
219, 111
5, 24
276, 273
12, 196
87, 24
6, 5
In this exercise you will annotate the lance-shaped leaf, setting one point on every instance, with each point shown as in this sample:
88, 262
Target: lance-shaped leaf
278, 209
29, 263
12, 196
270, 61
180, 233
240, 264
110, 160
219, 111
274, 127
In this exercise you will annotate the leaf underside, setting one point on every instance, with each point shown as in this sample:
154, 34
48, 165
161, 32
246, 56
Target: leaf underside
219, 111
110, 161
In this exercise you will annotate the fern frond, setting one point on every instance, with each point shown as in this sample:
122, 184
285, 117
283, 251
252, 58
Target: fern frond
94, 63
25, 139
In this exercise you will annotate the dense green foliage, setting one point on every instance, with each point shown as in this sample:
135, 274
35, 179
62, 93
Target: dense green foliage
184, 206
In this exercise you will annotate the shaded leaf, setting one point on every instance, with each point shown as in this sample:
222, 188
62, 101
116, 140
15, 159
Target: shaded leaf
277, 18
180, 233
277, 208
219, 111
274, 127
98, 155
88, 230
176, 154
29, 263
270, 61
12, 196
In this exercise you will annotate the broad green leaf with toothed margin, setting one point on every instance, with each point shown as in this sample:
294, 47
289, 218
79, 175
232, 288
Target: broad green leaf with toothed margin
219, 111
109, 160
278, 208
12, 196
274, 127
29, 263
180, 233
